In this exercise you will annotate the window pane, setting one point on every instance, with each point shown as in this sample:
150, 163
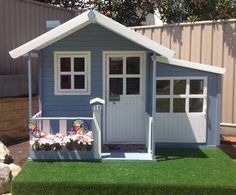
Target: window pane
116, 65
65, 64
132, 86
133, 65
163, 105
195, 104
116, 86
79, 64
163, 87
179, 87
196, 86
65, 82
179, 105
79, 82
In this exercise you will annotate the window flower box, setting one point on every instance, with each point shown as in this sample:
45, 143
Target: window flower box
76, 145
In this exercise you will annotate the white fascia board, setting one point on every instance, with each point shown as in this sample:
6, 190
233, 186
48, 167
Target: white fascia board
191, 65
132, 35
83, 20
53, 35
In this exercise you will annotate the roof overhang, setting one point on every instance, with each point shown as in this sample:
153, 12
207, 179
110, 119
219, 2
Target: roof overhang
191, 65
79, 22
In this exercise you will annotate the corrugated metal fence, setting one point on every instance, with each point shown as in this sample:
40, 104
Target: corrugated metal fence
22, 20
205, 42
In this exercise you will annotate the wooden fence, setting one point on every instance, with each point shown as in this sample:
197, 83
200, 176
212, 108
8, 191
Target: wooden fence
206, 42
14, 118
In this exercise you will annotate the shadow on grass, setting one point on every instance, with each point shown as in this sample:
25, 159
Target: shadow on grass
179, 153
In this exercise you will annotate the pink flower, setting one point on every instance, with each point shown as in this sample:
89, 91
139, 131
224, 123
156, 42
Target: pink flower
59, 135
58, 140
89, 134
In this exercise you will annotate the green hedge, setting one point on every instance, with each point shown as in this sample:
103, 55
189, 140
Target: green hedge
179, 171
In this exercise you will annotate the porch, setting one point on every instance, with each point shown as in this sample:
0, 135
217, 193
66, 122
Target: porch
58, 138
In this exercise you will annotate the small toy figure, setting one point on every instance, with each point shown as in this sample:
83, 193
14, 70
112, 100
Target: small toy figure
35, 130
78, 126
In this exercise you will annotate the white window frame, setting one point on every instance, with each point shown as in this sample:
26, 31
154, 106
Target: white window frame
124, 75
87, 73
187, 96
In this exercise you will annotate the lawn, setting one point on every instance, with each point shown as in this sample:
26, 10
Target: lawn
178, 171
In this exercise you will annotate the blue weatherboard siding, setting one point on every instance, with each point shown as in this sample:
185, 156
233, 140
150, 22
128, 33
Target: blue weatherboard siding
92, 38
97, 39
213, 99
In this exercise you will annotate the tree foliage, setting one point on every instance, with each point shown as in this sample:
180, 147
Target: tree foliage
68, 4
176, 11
127, 12
134, 12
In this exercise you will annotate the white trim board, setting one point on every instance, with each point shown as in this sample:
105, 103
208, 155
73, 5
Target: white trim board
88, 17
191, 65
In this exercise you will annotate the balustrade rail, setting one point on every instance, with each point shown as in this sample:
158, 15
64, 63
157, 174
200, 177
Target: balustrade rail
85, 145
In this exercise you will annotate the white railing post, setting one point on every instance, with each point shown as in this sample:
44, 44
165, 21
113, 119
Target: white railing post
46, 126
97, 122
63, 127
154, 67
30, 84
149, 135
146, 128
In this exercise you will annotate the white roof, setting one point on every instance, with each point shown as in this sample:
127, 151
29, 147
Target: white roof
88, 17
191, 65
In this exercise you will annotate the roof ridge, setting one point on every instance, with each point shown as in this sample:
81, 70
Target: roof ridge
82, 20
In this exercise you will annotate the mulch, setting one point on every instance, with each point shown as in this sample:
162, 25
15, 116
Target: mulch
19, 152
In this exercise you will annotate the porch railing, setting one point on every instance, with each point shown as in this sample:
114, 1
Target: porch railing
44, 124
150, 142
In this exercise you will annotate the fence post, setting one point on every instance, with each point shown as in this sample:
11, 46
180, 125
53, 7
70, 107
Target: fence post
97, 122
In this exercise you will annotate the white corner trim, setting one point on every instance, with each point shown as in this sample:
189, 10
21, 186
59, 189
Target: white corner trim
191, 65
88, 17
87, 56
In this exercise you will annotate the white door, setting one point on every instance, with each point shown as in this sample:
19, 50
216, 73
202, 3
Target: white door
125, 98
181, 110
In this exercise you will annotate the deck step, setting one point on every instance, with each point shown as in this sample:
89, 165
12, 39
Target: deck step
129, 156
228, 139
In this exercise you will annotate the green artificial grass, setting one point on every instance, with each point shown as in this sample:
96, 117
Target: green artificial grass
177, 171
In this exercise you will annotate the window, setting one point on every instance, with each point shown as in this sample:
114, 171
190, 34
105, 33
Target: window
163, 87
163, 105
181, 95
72, 73
124, 76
